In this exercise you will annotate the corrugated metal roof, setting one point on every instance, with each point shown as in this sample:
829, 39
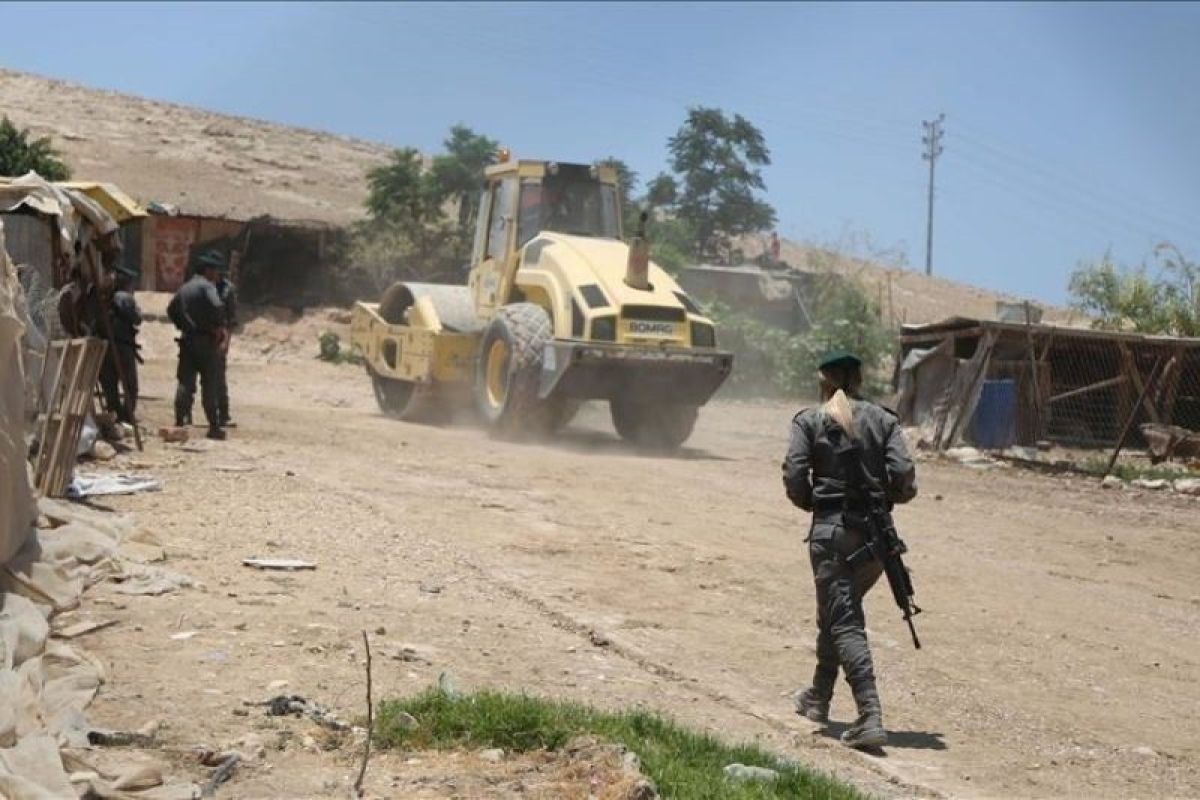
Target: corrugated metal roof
955, 324
119, 205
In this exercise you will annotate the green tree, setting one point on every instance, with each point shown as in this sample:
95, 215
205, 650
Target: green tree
419, 214
19, 154
1121, 298
400, 189
627, 181
457, 174
716, 160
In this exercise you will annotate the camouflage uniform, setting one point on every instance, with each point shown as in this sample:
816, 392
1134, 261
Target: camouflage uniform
814, 478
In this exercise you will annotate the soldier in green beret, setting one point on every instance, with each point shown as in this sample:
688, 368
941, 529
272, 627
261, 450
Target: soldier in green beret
814, 481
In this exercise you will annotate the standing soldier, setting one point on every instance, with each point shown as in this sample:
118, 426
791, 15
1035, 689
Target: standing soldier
228, 295
126, 318
197, 312
815, 480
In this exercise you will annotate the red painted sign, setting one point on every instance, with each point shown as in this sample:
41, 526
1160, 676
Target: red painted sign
172, 241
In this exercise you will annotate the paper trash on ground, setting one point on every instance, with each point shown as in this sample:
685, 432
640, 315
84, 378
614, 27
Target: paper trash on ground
86, 484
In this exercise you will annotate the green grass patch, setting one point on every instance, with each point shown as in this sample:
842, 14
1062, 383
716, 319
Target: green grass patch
1128, 472
683, 764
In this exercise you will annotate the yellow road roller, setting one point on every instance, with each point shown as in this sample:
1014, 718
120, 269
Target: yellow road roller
558, 309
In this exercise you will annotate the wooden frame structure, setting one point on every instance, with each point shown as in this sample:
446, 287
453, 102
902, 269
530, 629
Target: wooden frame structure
1074, 386
77, 368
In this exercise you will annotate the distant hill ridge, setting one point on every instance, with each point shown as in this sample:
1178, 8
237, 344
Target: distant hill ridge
224, 165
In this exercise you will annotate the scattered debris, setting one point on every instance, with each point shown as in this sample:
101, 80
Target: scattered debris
1153, 485
970, 457
1190, 486
1112, 482
82, 628
294, 705
234, 467
222, 774
142, 579
140, 738
744, 774
183, 636
599, 638
285, 564
139, 779
103, 451
173, 435
97, 485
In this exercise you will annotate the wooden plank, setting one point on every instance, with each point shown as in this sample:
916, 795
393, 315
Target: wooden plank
1171, 393
971, 397
1135, 377
1091, 387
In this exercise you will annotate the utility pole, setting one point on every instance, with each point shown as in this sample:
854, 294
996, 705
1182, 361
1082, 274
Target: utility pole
933, 148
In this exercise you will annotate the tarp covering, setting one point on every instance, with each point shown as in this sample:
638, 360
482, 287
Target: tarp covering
16, 501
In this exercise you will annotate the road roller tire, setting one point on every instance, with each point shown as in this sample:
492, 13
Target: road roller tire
508, 369
653, 425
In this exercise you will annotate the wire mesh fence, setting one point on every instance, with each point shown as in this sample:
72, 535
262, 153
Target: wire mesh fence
999, 385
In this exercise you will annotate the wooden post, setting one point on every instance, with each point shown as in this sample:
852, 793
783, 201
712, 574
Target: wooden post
1129, 420
1171, 389
971, 394
1135, 377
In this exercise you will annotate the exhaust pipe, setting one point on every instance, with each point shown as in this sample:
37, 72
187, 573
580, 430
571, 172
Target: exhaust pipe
637, 266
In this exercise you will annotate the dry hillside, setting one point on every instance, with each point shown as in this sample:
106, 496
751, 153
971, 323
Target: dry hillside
201, 161
233, 166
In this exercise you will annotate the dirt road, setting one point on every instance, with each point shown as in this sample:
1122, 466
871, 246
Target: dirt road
1062, 645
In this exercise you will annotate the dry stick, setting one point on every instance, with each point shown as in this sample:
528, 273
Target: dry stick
362, 770
1132, 416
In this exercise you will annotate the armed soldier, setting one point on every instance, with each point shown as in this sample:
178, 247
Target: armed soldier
197, 311
818, 477
126, 318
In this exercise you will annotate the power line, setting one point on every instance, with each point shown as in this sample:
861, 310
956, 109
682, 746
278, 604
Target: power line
933, 149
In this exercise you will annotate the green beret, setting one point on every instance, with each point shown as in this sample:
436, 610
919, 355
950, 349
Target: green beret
211, 258
839, 358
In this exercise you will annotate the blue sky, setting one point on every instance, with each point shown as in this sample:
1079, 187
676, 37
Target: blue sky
1069, 128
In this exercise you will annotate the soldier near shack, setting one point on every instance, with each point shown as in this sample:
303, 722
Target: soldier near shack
122, 359
228, 295
814, 476
197, 311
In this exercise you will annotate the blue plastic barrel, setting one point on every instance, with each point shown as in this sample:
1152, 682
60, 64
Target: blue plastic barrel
994, 426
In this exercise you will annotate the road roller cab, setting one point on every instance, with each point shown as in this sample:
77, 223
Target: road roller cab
557, 309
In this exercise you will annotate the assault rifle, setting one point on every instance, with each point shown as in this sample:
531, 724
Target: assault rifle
883, 542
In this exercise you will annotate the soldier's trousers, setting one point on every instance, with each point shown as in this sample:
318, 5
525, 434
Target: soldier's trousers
199, 357
110, 381
841, 635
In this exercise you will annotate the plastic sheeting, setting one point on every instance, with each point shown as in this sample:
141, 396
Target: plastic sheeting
16, 499
45, 683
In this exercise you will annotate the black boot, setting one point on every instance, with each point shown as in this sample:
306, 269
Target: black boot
867, 730
812, 706
216, 433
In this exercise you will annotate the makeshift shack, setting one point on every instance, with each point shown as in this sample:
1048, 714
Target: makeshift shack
995, 384
279, 262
